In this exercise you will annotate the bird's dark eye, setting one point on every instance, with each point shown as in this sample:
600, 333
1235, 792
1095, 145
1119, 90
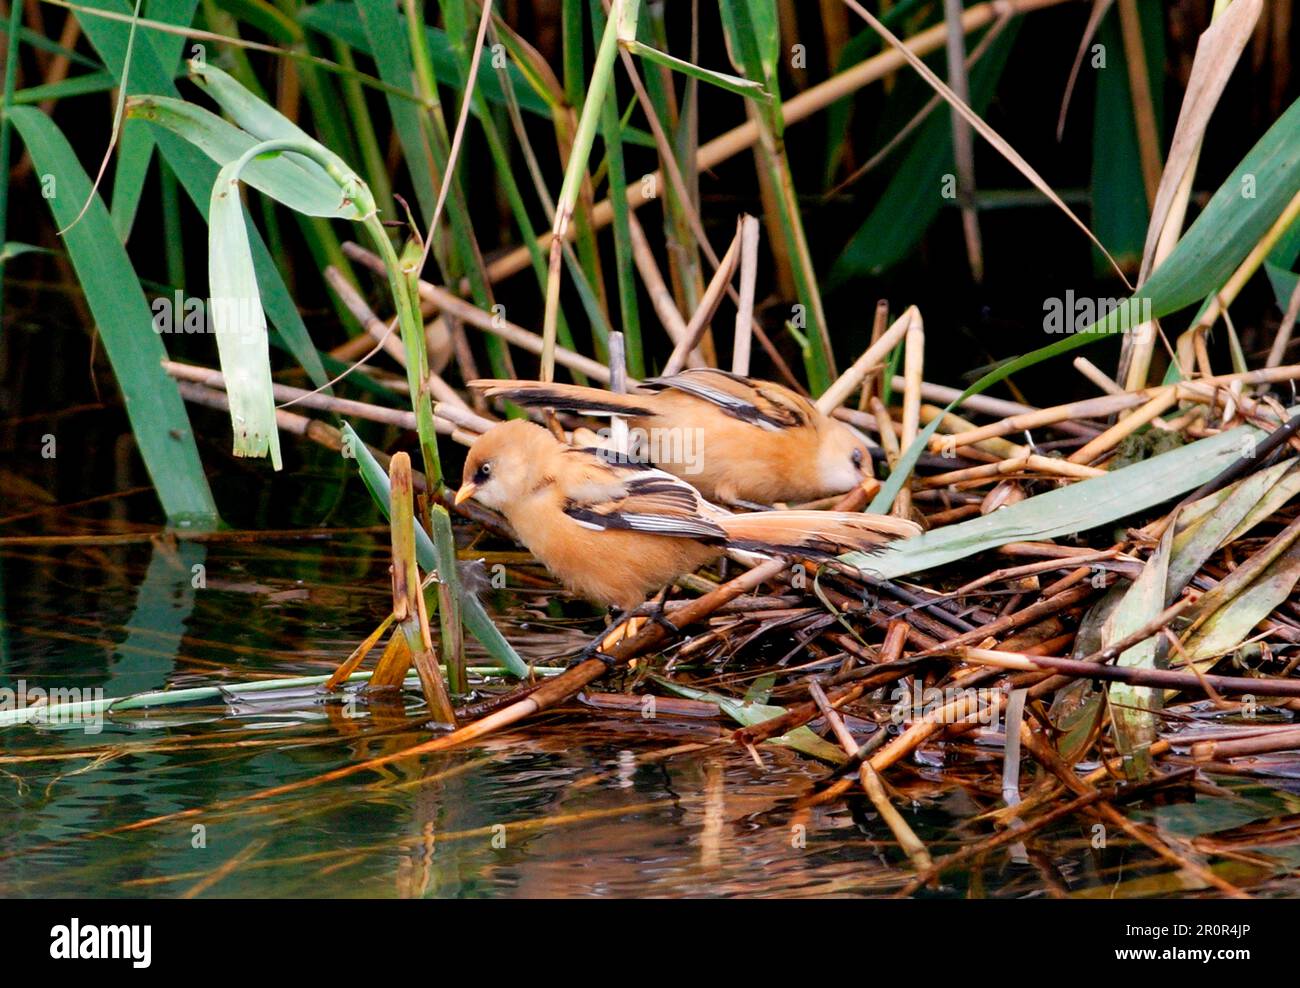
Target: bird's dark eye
857, 457
483, 473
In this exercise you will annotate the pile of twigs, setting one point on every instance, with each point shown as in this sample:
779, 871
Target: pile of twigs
1149, 647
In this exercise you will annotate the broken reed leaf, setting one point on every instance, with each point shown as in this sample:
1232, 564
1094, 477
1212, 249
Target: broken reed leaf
284, 177
1239, 617
745, 712
253, 115
1222, 517
1217, 52
475, 617
1133, 708
1064, 511
239, 322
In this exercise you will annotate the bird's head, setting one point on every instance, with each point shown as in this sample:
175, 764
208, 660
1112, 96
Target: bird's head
501, 464
843, 458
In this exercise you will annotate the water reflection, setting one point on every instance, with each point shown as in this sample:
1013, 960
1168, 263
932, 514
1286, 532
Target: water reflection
577, 803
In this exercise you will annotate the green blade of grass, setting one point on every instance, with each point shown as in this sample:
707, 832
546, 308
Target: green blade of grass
749, 88
136, 144
753, 41
1119, 205
575, 171
42, 43
911, 200
78, 85
611, 132
158, 420
342, 22
391, 50
6, 134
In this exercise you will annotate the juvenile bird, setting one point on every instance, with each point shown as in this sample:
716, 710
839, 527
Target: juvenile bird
614, 532
760, 441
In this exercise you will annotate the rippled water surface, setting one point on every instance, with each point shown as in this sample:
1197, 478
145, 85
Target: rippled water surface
579, 802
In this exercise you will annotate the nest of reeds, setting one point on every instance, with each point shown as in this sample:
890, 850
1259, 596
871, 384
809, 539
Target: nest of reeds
1102, 592
1104, 583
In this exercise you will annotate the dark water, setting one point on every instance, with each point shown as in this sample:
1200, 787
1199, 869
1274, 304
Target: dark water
577, 803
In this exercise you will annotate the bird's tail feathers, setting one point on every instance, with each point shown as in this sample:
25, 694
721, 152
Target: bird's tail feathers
570, 397
817, 533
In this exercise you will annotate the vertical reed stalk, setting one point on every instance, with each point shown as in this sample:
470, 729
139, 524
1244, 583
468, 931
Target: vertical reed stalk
408, 598
624, 14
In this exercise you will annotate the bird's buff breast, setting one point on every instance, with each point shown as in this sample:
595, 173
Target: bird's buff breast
611, 567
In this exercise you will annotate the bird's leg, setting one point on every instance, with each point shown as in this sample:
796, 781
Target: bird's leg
651, 610
629, 620
592, 650
657, 612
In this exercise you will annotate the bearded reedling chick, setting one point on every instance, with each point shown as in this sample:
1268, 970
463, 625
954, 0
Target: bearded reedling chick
614, 533
761, 441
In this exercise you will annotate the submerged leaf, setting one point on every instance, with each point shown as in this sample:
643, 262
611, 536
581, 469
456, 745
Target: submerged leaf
743, 712
1077, 708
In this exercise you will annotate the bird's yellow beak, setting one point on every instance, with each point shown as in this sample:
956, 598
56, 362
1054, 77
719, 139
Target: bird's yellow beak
466, 492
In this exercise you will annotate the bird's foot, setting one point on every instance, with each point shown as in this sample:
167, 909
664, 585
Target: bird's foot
660, 617
594, 650
657, 612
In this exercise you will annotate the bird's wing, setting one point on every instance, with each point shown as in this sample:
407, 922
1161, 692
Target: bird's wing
636, 499
536, 394
760, 403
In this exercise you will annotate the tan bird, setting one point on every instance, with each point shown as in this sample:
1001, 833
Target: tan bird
615, 533
732, 438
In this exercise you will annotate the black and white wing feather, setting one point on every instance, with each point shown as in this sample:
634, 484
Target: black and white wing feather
649, 501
